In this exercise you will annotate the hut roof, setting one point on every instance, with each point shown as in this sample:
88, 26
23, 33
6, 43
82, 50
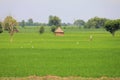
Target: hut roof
59, 30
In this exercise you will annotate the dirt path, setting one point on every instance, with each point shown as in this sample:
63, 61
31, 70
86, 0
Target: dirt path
56, 78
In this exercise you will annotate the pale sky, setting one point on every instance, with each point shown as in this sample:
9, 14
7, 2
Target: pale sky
67, 10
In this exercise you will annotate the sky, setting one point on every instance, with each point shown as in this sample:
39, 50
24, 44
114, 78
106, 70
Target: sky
67, 10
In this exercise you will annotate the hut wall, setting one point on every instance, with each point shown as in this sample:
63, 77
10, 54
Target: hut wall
59, 34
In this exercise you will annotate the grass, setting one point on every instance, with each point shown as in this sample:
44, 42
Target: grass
70, 55
64, 62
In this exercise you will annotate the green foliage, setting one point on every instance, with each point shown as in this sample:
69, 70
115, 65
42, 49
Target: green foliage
53, 28
112, 26
23, 23
95, 22
30, 22
54, 21
42, 30
79, 23
10, 24
1, 30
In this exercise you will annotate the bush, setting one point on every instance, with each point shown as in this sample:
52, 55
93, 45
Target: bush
1, 28
42, 30
53, 28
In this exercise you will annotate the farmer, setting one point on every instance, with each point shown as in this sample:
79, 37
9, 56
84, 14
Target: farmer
91, 37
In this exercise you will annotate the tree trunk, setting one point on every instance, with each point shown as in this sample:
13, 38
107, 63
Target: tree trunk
11, 38
113, 34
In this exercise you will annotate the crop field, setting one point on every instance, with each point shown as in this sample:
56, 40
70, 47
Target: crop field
73, 54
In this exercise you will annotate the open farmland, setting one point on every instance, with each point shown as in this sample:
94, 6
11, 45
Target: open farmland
70, 55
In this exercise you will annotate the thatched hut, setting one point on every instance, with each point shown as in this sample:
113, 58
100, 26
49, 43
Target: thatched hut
59, 32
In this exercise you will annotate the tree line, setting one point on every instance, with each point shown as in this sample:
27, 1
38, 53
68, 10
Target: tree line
95, 22
112, 26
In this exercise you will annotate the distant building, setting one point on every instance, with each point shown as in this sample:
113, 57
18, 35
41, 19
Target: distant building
59, 32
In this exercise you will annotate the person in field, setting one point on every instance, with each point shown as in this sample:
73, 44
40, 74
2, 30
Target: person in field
91, 37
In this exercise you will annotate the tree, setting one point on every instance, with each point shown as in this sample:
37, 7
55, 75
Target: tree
95, 22
42, 30
53, 28
1, 30
37, 24
50, 20
23, 23
30, 22
54, 21
10, 24
112, 26
63, 24
79, 23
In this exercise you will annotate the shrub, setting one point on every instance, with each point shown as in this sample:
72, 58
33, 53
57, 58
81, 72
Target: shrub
42, 30
1, 28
